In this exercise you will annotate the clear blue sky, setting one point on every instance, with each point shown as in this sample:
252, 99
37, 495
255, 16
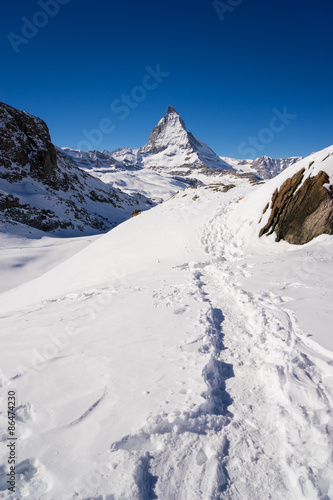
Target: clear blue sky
225, 76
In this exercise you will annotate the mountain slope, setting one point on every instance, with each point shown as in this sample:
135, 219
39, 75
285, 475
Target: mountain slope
125, 174
39, 187
177, 356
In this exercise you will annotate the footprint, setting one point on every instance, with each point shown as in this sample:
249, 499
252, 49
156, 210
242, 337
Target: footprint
24, 413
32, 479
201, 457
180, 310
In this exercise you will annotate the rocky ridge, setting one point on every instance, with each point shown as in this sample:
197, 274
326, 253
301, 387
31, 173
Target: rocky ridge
41, 188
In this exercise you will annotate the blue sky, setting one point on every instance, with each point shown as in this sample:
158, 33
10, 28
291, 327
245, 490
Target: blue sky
225, 72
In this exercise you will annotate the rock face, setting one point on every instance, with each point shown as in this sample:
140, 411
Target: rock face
300, 211
267, 167
39, 187
25, 140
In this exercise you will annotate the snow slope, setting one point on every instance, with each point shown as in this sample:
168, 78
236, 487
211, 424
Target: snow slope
157, 186
171, 358
24, 258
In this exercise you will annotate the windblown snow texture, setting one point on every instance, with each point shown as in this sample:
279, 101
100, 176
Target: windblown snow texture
178, 356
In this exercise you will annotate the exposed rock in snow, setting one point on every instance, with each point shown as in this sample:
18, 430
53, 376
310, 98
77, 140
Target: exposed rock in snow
171, 358
41, 188
302, 207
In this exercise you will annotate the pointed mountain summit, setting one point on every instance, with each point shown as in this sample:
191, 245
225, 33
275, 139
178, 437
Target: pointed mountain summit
169, 130
170, 110
173, 149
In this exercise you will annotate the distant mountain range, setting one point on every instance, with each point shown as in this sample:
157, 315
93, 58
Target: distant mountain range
77, 192
173, 150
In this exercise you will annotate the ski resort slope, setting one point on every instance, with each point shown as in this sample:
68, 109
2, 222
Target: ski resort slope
172, 358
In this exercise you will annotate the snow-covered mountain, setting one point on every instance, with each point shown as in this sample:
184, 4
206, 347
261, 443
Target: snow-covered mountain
124, 173
264, 167
170, 149
39, 186
179, 356
171, 156
186, 354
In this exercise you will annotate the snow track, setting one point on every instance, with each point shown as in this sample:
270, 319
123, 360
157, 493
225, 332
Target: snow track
185, 450
281, 433
165, 371
266, 428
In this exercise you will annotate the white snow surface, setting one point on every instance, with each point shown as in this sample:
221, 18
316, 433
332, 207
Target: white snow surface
178, 356
116, 169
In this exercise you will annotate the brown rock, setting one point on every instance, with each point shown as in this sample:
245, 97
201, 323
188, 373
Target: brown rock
136, 212
298, 216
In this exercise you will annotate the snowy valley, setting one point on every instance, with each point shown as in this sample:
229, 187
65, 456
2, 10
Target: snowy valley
179, 355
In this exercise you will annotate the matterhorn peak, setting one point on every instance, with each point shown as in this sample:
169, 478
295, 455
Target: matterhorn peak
172, 118
171, 146
171, 110
170, 130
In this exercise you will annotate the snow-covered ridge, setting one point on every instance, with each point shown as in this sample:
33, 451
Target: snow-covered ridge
172, 358
41, 188
265, 167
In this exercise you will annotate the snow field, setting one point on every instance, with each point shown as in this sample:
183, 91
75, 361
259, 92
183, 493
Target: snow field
163, 360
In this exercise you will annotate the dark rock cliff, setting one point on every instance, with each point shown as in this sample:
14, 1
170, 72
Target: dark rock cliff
41, 188
300, 212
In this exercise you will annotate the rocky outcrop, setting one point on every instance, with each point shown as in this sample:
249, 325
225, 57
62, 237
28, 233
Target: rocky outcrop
41, 188
8, 201
300, 211
25, 142
136, 212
